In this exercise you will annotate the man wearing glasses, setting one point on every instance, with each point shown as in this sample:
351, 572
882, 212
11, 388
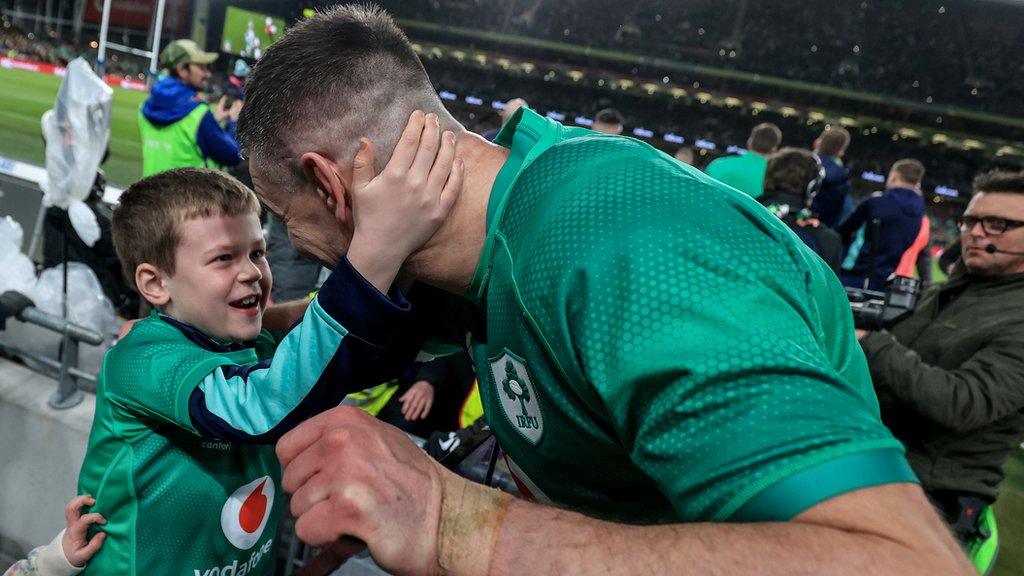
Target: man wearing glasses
177, 128
950, 377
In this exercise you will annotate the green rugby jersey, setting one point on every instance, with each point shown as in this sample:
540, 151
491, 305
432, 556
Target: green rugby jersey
181, 454
658, 347
175, 502
744, 172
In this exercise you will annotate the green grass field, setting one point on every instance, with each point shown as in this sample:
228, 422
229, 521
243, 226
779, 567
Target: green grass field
236, 23
30, 94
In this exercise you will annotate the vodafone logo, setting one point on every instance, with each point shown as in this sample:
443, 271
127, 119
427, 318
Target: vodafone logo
246, 512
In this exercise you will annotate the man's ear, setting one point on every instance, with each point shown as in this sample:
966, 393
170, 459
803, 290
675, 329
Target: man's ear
151, 285
331, 185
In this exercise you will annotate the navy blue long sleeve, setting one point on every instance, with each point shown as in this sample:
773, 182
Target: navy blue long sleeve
218, 144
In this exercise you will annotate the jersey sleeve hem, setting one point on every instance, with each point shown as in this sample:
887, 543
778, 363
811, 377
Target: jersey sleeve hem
188, 384
807, 487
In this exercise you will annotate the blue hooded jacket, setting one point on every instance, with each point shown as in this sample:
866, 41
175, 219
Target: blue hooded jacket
899, 210
172, 100
830, 201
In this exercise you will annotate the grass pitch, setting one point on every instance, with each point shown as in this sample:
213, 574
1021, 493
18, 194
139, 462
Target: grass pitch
29, 94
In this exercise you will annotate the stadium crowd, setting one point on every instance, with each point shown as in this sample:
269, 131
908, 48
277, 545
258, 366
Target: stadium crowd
623, 283
959, 53
15, 43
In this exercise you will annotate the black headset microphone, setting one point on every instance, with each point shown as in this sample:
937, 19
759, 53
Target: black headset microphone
992, 249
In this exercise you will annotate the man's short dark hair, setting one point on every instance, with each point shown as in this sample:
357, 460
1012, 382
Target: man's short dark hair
350, 63
833, 140
609, 116
999, 181
765, 138
791, 171
909, 170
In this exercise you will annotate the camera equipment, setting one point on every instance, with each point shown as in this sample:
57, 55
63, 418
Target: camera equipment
876, 310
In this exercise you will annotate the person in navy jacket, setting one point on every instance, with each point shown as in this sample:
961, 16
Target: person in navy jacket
883, 227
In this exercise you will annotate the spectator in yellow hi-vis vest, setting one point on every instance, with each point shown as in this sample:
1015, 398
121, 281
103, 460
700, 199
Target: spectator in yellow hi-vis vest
178, 129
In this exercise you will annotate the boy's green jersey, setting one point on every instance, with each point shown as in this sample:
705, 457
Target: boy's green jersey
175, 502
658, 347
181, 455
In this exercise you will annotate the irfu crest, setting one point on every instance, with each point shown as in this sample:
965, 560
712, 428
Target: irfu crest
517, 396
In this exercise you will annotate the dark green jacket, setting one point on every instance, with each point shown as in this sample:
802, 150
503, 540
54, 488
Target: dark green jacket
950, 380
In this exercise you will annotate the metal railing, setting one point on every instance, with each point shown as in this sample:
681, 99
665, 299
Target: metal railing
68, 375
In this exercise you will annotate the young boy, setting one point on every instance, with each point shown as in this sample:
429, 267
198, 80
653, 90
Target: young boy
188, 404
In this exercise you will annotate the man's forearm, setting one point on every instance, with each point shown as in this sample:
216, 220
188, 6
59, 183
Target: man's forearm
540, 540
280, 317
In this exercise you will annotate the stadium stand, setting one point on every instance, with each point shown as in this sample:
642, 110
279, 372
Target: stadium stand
962, 53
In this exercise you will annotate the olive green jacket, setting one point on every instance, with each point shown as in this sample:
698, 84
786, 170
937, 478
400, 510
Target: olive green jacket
950, 381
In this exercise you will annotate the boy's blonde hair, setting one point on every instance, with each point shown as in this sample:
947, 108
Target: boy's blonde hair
150, 212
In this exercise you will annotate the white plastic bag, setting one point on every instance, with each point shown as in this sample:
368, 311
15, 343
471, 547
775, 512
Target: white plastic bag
11, 231
76, 131
83, 220
16, 270
87, 306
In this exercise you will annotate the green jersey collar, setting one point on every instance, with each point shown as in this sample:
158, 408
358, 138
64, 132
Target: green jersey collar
527, 135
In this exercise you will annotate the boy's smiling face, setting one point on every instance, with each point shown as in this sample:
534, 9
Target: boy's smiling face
221, 279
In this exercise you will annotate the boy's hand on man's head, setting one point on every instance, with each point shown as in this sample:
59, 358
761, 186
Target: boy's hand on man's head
397, 211
78, 549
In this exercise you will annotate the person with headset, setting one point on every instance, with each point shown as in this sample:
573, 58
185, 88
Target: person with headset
792, 180
950, 377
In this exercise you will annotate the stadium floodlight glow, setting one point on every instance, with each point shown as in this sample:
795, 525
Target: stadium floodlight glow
643, 132
816, 116
873, 177
847, 121
556, 116
674, 138
583, 121
474, 101
947, 191
416, 46
445, 95
788, 111
459, 55
626, 83
678, 92
498, 105
705, 144
940, 139
576, 75
909, 133
481, 59
733, 149
704, 97
504, 63
650, 87
971, 144
527, 67
759, 106
732, 102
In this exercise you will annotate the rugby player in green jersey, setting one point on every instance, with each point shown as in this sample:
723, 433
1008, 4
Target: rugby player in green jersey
188, 404
660, 358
